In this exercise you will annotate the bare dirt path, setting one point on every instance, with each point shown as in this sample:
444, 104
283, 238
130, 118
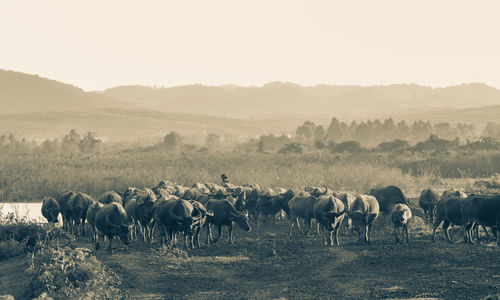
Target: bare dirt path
266, 264
14, 278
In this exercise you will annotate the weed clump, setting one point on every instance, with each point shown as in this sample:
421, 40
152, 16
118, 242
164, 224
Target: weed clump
66, 273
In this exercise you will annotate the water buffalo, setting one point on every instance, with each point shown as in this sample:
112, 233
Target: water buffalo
110, 196
271, 204
483, 210
448, 212
130, 210
428, 201
224, 214
387, 197
401, 213
364, 210
172, 216
62, 200
77, 207
112, 220
91, 213
129, 193
50, 209
347, 198
201, 210
301, 206
329, 212
143, 213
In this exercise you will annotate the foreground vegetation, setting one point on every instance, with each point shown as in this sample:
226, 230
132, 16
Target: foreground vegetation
57, 268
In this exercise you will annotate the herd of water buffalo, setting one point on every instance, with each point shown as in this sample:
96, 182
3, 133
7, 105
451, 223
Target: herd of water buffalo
172, 209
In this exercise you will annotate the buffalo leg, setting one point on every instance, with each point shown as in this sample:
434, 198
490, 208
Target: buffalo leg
219, 234
209, 234
298, 225
405, 229
369, 233
436, 225
290, 226
309, 225
110, 238
446, 229
230, 231
396, 229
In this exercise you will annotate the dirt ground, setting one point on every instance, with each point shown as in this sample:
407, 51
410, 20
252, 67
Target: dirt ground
266, 264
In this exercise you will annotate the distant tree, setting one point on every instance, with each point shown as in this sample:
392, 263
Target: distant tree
172, 140
213, 141
347, 146
319, 133
260, 146
305, 132
335, 130
89, 143
70, 142
319, 144
396, 145
291, 148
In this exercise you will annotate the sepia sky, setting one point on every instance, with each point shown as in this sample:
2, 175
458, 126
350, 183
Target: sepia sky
101, 44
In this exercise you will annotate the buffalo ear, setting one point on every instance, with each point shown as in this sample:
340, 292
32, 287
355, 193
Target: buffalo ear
210, 213
370, 218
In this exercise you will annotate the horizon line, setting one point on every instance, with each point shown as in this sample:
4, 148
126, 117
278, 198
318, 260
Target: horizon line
284, 82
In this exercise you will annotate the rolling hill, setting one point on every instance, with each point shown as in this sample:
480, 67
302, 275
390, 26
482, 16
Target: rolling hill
24, 93
287, 99
38, 108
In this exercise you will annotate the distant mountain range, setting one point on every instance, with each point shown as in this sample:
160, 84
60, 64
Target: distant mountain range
38, 107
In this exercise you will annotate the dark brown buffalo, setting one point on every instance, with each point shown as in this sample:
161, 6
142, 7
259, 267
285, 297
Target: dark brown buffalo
387, 197
224, 214
91, 213
62, 200
77, 207
483, 210
448, 212
269, 205
172, 216
428, 201
143, 213
112, 220
50, 209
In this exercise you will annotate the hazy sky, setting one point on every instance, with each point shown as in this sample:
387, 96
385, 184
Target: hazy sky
101, 44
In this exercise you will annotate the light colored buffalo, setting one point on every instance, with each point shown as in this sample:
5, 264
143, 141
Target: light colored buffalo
401, 214
110, 196
364, 210
329, 212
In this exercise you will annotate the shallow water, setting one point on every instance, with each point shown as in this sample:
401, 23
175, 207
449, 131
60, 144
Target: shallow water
30, 211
